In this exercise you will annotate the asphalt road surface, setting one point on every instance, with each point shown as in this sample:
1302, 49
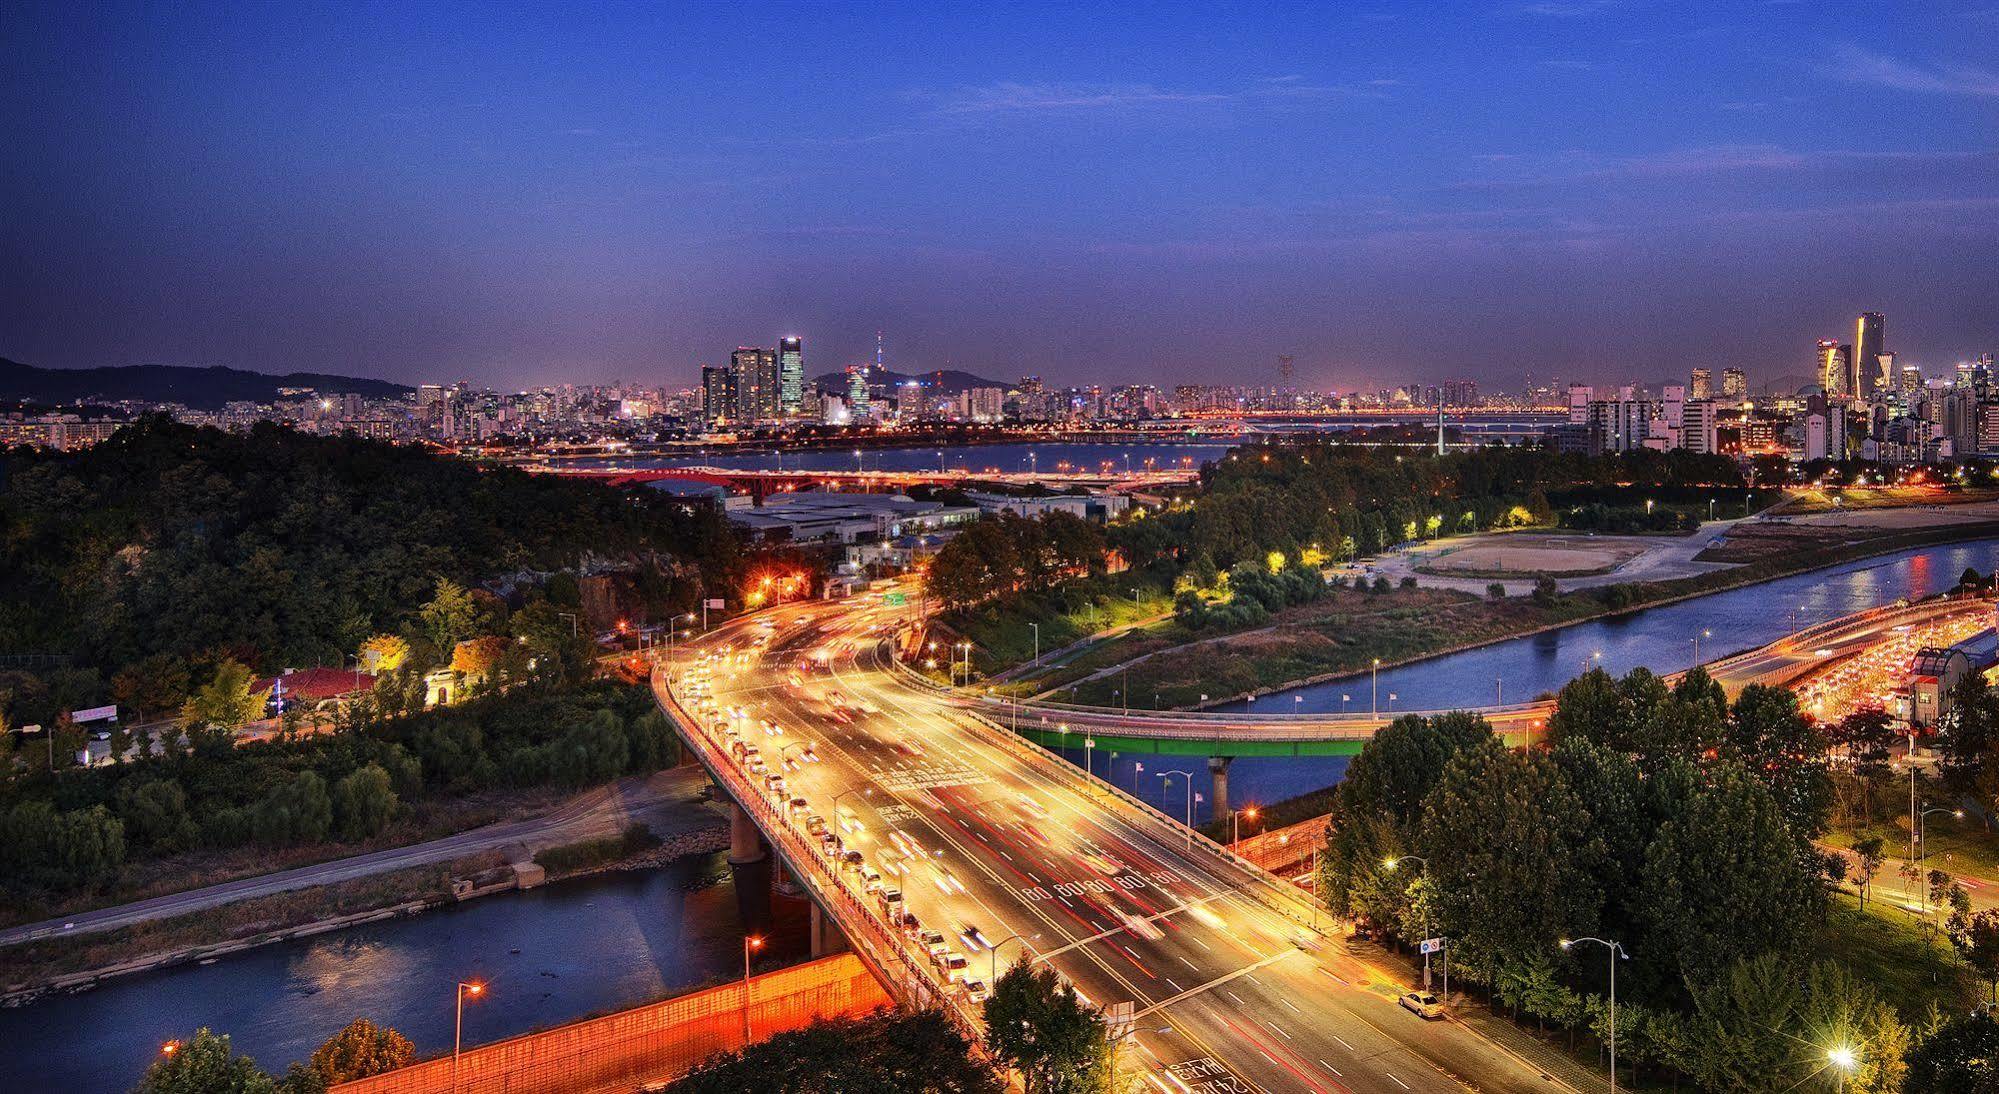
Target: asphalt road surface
1227, 994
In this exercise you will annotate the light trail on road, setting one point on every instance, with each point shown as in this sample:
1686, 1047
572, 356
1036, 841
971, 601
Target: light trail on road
988, 839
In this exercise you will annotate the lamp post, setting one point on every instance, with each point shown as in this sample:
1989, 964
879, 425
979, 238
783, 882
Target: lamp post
1187, 778
465, 987
1697, 645
1616, 953
992, 955
1842, 1060
751, 943
1391, 864
1374, 689
1037, 643
1922, 847
1236, 818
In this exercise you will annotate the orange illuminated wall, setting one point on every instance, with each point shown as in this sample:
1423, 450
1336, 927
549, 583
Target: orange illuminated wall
619, 1052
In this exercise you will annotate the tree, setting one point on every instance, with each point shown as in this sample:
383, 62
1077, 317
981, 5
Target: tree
1960, 1057
448, 617
1869, 855
1866, 736
229, 699
1037, 1026
1978, 942
1967, 732
359, 1050
296, 812
152, 686
1723, 878
1769, 737
364, 802
882, 1051
1513, 856
384, 653
155, 813
204, 1065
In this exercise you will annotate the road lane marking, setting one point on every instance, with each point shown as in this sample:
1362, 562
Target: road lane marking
1398, 1082
1331, 1068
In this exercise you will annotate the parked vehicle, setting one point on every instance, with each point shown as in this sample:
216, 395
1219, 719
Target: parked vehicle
1423, 1004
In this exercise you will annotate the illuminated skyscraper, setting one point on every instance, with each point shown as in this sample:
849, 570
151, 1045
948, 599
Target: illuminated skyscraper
1867, 350
1703, 385
756, 383
1734, 385
857, 391
718, 394
791, 376
1836, 372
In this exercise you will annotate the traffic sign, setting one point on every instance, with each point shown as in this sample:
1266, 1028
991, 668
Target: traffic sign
895, 600
1430, 945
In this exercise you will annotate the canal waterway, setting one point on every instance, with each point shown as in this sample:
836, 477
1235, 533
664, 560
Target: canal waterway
548, 956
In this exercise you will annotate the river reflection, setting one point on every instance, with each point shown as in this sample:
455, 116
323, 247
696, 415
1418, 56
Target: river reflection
551, 955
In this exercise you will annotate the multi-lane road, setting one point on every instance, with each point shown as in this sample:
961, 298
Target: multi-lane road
988, 840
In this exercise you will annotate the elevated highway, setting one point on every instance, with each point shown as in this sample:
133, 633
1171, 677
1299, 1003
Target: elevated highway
1008, 853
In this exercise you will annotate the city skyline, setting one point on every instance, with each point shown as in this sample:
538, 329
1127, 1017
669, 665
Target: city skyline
1496, 192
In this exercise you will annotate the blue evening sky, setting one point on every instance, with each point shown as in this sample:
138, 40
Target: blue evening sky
525, 193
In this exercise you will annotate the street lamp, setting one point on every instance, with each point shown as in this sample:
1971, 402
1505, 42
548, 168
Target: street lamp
1187, 777
1374, 689
465, 987
1391, 864
992, 955
1236, 818
1697, 645
751, 943
1037, 642
1616, 953
1842, 1060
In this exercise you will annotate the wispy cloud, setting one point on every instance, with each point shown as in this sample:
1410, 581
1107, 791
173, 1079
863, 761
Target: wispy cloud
1560, 9
1863, 66
1010, 98
1701, 161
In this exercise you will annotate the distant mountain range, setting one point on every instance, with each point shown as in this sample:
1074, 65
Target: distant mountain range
947, 381
201, 388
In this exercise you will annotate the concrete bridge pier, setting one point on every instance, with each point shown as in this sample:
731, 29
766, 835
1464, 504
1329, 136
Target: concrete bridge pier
1218, 766
826, 936
749, 869
746, 844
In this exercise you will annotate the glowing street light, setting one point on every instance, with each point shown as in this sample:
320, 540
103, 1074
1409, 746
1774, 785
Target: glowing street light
751, 943
1842, 1060
474, 989
1616, 952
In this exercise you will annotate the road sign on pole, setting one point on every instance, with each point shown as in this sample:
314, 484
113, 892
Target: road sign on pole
1430, 945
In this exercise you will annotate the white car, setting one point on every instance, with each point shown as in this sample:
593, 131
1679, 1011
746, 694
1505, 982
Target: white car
1422, 1004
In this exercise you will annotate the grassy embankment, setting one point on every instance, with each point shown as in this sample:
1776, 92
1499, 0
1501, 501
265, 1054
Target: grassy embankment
259, 919
1343, 633
38, 961
424, 820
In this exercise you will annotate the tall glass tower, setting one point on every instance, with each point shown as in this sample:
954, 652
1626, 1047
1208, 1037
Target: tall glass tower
791, 376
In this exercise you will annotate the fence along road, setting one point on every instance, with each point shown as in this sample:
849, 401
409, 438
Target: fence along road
989, 838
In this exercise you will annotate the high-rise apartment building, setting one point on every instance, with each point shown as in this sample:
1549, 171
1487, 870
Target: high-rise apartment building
756, 384
1703, 385
1697, 426
791, 376
1734, 384
718, 394
1911, 381
1869, 331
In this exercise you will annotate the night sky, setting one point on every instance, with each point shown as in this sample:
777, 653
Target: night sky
517, 194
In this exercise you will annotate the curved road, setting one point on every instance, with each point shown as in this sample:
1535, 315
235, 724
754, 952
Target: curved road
981, 831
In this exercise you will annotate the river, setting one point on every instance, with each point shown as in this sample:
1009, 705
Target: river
1660, 639
971, 459
549, 955
571, 949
